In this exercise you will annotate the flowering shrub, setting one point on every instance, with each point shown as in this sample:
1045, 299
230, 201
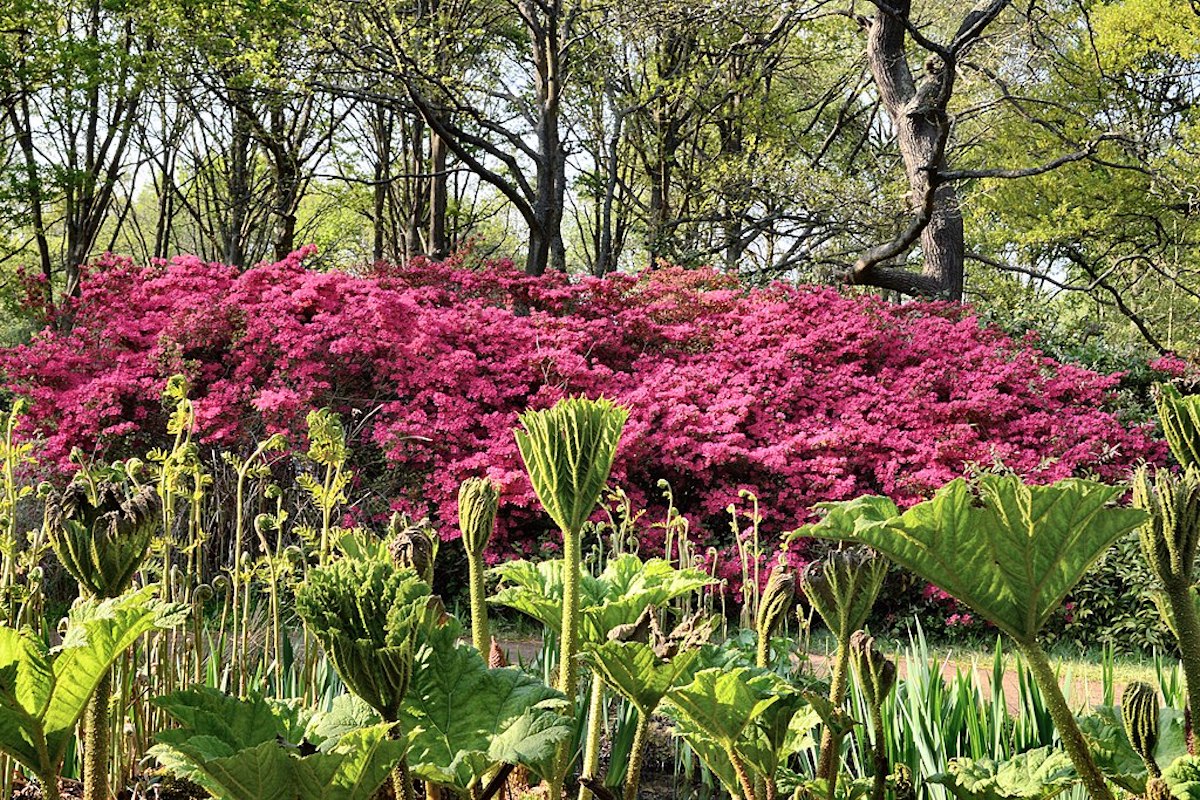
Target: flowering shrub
795, 394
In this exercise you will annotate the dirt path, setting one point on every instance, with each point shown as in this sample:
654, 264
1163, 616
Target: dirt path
1081, 691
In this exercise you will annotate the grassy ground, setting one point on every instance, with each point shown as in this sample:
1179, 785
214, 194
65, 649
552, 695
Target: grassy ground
1082, 664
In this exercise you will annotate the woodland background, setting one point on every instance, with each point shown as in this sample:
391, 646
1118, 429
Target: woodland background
1038, 159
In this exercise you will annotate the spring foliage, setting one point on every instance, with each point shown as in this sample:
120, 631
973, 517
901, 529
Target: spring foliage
799, 395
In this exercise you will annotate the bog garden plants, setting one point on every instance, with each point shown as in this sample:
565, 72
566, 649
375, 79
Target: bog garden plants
230, 610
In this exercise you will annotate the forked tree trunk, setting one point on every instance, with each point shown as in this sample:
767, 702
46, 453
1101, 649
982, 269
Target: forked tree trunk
918, 113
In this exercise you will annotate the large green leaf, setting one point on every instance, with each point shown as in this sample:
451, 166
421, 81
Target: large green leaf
568, 452
711, 753
347, 713
627, 587
751, 713
782, 730
535, 590
263, 772
1034, 775
231, 723
1183, 778
367, 614
722, 702
251, 749
98, 633
26, 680
618, 596
1010, 551
44, 693
353, 769
634, 671
464, 719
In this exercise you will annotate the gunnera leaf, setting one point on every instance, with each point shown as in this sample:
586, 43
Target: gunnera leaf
1034, 775
1009, 550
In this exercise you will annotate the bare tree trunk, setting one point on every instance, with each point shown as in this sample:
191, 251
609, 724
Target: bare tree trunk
166, 204
738, 195
439, 246
34, 187
416, 209
286, 192
239, 187
605, 248
918, 112
660, 181
546, 249
106, 130
672, 54
382, 187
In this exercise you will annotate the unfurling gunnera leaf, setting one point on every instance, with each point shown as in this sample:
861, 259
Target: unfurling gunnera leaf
367, 614
568, 452
1034, 775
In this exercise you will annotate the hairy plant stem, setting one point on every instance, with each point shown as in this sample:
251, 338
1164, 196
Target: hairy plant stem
95, 731
879, 754
591, 749
762, 651
633, 772
830, 743
480, 635
743, 775
402, 783
1064, 721
568, 673
50, 788
1182, 601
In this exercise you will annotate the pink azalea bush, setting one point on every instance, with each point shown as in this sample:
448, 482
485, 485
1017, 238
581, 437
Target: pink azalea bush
797, 395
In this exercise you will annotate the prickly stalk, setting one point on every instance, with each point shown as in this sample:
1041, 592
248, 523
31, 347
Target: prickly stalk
1169, 541
478, 501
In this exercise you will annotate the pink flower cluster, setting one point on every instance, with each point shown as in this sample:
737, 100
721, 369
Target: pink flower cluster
795, 394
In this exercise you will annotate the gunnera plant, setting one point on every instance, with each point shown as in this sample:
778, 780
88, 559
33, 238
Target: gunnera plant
777, 599
568, 452
1169, 540
842, 588
1011, 552
876, 677
478, 502
367, 614
1139, 713
100, 527
412, 545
